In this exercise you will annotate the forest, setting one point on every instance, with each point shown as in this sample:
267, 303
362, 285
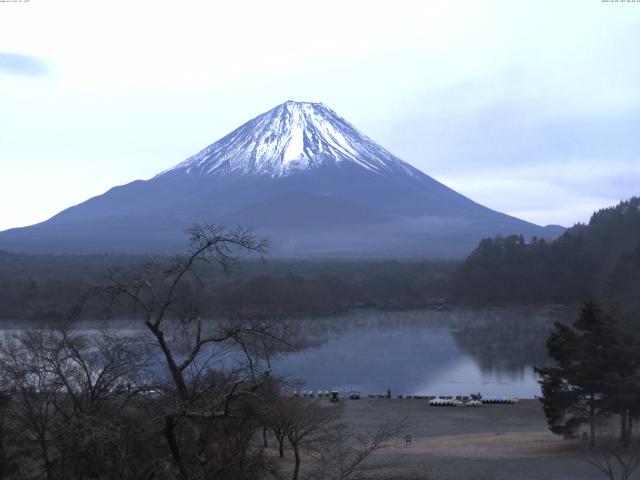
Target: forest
599, 260
48, 286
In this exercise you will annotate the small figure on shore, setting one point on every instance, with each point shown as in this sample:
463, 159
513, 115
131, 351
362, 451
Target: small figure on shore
407, 441
388, 393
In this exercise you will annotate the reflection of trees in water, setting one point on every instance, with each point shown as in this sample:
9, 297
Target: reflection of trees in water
507, 343
422, 352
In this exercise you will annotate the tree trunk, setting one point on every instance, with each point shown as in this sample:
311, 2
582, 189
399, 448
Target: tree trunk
202, 443
624, 434
45, 457
281, 447
169, 433
592, 420
265, 443
296, 468
174, 370
280, 436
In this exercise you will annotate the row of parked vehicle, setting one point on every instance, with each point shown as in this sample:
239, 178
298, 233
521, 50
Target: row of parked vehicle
469, 401
473, 400
453, 402
332, 395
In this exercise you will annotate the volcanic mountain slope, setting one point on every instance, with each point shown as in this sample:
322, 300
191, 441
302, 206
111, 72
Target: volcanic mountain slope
300, 174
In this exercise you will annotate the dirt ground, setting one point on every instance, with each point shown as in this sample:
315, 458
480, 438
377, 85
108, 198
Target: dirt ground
489, 442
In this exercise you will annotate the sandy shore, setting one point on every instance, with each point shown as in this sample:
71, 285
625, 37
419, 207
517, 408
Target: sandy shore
489, 442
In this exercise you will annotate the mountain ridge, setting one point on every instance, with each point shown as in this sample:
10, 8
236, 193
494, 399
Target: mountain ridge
300, 147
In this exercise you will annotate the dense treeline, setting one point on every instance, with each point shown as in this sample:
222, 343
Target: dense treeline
48, 286
598, 260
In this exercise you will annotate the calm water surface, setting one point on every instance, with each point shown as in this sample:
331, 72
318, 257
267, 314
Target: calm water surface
425, 352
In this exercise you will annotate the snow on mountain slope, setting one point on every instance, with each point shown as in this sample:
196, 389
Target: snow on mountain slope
292, 137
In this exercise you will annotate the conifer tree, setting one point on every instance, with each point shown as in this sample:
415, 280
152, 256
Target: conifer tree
578, 389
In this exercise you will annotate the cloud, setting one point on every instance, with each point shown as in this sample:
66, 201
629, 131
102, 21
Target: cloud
24, 65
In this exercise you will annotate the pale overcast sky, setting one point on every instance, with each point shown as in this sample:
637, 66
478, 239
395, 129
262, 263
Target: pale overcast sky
529, 107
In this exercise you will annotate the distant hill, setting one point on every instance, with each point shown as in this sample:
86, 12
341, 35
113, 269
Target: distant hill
600, 260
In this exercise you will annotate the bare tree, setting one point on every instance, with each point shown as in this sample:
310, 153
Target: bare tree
316, 431
615, 458
92, 369
5, 463
616, 461
33, 394
206, 392
346, 455
304, 421
278, 422
155, 295
62, 394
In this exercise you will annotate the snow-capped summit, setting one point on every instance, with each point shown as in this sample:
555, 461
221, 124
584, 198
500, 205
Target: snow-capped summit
291, 137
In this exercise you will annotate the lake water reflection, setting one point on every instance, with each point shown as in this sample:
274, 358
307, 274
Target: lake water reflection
424, 352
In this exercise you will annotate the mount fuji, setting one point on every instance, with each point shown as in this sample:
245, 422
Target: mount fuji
301, 175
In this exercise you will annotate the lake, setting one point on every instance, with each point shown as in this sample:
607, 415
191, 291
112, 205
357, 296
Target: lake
425, 352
